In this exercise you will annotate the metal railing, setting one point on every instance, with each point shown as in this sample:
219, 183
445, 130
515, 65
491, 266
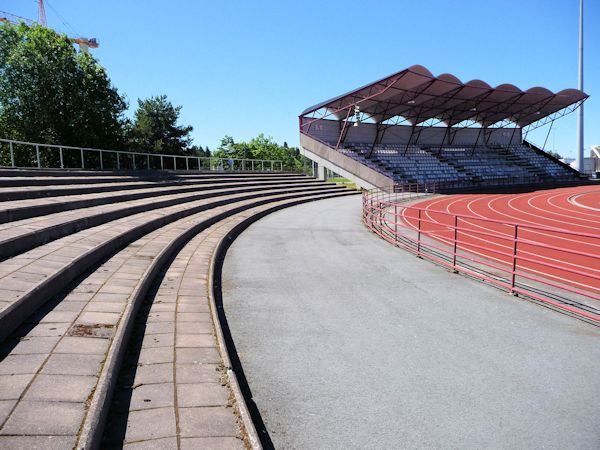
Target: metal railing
557, 267
447, 186
19, 154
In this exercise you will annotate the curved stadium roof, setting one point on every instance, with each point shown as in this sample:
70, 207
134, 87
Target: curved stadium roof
416, 95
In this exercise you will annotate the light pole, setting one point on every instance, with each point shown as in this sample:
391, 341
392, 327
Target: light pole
580, 87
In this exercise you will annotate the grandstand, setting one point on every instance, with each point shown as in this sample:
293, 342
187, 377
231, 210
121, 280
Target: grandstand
414, 127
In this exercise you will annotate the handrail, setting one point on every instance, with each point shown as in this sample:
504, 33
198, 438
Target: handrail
561, 275
389, 202
202, 162
439, 186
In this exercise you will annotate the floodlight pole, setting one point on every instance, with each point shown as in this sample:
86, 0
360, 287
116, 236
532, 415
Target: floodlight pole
580, 153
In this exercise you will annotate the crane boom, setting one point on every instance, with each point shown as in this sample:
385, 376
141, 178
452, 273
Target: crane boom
84, 43
42, 13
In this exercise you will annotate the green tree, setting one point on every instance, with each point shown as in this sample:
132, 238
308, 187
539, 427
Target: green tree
261, 147
556, 155
228, 148
50, 93
155, 128
197, 150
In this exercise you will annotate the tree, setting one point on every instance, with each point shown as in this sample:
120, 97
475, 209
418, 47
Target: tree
155, 128
261, 147
556, 155
50, 93
197, 150
228, 148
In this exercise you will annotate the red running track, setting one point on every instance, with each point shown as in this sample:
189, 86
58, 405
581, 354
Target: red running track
558, 231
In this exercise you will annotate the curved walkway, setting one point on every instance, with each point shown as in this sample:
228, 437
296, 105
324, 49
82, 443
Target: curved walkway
347, 342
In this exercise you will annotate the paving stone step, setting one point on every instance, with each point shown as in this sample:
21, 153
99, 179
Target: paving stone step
30, 279
29, 192
51, 373
44, 178
24, 209
22, 235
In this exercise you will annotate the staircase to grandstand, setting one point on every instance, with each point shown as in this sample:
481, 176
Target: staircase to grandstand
80, 252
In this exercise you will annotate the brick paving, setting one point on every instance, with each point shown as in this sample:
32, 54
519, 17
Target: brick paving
121, 183
50, 366
164, 190
22, 228
30, 270
174, 375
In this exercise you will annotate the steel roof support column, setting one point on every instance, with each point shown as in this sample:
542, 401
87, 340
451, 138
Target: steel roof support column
547, 134
513, 135
412, 132
476, 141
443, 140
452, 135
343, 131
378, 137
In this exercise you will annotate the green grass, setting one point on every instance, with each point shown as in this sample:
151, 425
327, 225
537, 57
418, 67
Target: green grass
345, 181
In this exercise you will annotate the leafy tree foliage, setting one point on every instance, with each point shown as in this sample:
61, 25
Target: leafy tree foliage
197, 150
261, 147
155, 128
50, 93
556, 155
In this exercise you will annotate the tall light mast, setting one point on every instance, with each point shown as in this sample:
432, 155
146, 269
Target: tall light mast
580, 154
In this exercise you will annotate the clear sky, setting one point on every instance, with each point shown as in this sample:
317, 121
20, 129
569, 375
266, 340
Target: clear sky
245, 67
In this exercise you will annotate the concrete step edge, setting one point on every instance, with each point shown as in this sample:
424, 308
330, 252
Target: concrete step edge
66, 190
25, 242
95, 419
14, 315
27, 212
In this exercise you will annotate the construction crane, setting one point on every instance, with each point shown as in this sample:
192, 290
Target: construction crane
42, 14
84, 43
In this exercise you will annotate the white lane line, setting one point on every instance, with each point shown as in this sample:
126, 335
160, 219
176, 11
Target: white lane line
574, 201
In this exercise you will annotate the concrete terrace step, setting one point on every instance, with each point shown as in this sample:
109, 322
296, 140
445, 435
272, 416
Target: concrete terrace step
65, 360
23, 209
23, 235
66, 173
30, 279
14, 178
30, 192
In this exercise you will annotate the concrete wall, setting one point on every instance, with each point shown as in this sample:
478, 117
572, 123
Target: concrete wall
329, 131
347, 167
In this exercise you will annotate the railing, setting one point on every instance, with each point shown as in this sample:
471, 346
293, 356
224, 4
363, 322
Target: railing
446, 186
19, 154
557, 267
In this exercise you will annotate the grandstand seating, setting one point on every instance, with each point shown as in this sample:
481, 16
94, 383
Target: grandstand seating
79, 253
451, 164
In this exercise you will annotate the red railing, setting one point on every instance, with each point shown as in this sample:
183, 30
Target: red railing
558, 267
454, 185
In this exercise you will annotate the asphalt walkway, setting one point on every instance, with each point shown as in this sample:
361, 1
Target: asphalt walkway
347, 342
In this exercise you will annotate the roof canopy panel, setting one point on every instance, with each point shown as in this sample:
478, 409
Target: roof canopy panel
417, 95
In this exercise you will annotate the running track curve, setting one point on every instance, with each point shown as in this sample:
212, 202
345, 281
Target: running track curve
558, 236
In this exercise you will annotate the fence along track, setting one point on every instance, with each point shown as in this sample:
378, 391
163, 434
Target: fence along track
504, 254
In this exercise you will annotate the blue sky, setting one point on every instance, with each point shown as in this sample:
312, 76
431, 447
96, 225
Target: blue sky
245, 67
